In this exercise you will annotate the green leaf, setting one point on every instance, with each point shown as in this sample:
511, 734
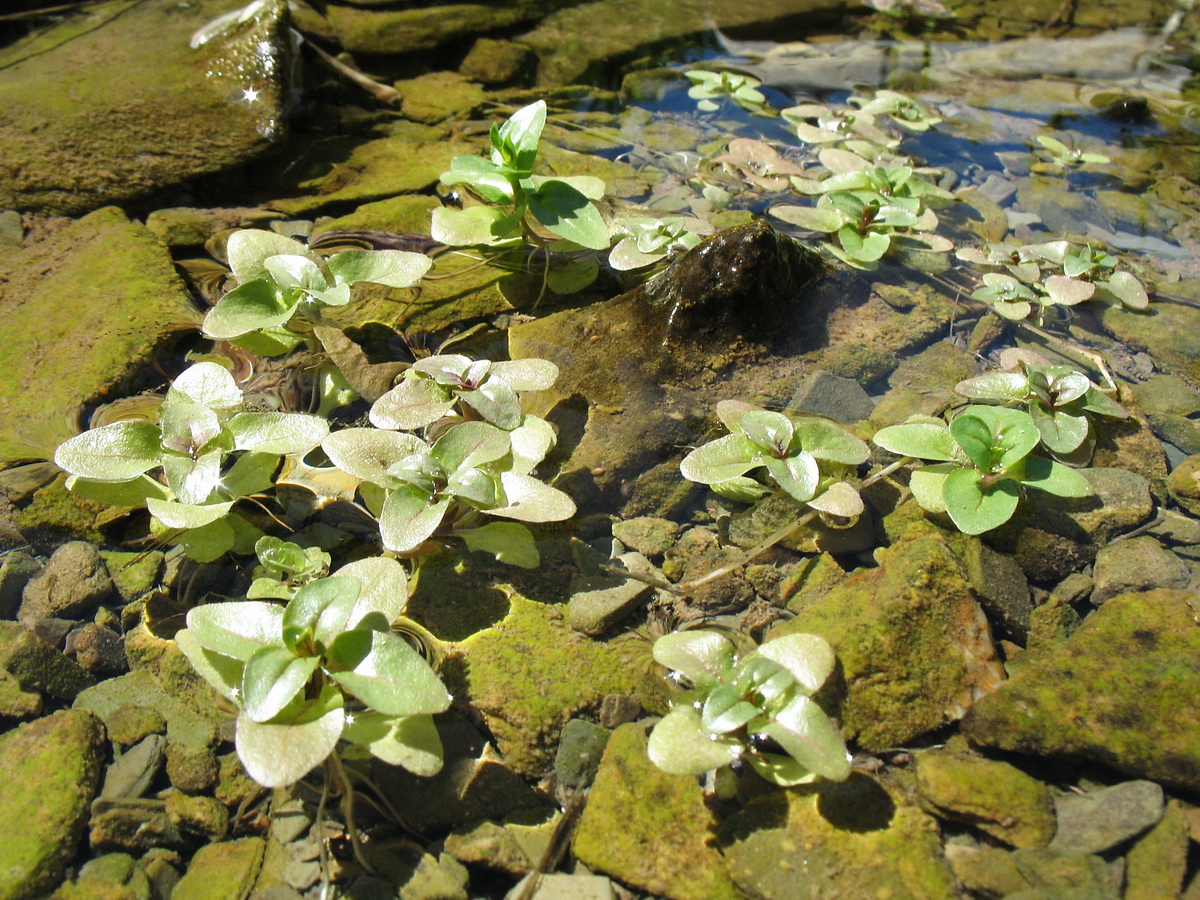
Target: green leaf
923, 440
495, 402
1062, 431
839, 499
566, 212
530, 442
680, 746
818, 218
187, 426
701, 656
1054, 478
517, 139
383, 588
1013, 433
470, 444
277, 432
807, 656
741, 489
530, 500
803, 730
223, 672
525, 374
720, 460
193, 480
252, 306
238, 628
409, 517
394, 268
414, 403
975, 437
274, 341
293, 271
798, 475
974, 508
368, 453
251, 473
118, 452
510, 542
474, 486
385, 673
283, 751
927, 484
119, 493
484, 226
321, 608
411, 742
187, 515
1068, 291
1002, 387
248, 250
724, 710
824, 440
1125, 289
1095, 401
771, 431
207, 543
272, 678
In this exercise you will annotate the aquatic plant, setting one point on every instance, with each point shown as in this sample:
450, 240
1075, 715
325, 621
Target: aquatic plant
1061, 401
516, 206
1054, 155
323, 668
983, 461
644, 241
201, 427
756, 708
280, 278
743, 90
809, 459
284, 567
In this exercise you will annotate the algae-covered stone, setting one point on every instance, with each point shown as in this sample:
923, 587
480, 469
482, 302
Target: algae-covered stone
648, 535
924, 383
1097, 821
1119, 691
1066, 873
51, 771
995, 797
914, 646
1184, 484
396, 31
82, 309
802, 844
1138, 564
37, 666
531, 673
437, 96
133, 574
225, 871
123, 105
73, 583
1155, 865
192, 720
1169, 331
986, 872
649, 829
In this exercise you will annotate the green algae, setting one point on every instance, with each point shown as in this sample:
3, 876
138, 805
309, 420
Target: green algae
650, 829
531, 673
82, 310
224, 871
51, 772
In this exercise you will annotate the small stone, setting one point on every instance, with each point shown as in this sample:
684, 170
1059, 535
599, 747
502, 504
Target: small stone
600, 601
491, 845
1052, 623
995, 797
561, 886
113, 875
131, 775
826, 394
97, 649
225, 871
1184, 484
17, 568
495, 63
133, 574
437, 96
192, 769
1138, 564
15, 701
200, 817
436, 878
579, 750
130, 722
1100, 820
39, 667
1052, 870
617, 709
1156, 864
1176, 528
649, 535
72, 585
987, 872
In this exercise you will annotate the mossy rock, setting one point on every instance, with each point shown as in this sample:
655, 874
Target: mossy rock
115, 105
51, 772
81, 311
806, 843
225, 871
1170, 332
531, 673
399, 31
1119, 691
650, 829
913, 645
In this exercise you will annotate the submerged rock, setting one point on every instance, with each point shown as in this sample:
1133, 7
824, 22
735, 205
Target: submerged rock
914, 648
81, 310
123, 106
798, 844
51, 772
1098, 821
1119, 691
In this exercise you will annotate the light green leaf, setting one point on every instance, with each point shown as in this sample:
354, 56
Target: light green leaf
119, 493
1003, 387
1126, 290
818, 218
484, 226
281, 752
1054, 478
518, 138
411, 742
798, 475
118, 452
207, 543
394, 268
409, 517
237, 628
470, 444
385, 673
771, 431
1062, 431
368, 453
530, 500
250, 474
223, 672
530, 441
824, 440
413, 403
809, 737
1068, 291
187, 515
525, 374
510, 542
252, 306
272, 679
293, 271
975, 509
720, 460
277, 432
807, 656
187, 426
724, 710
193, 480
701, 656
383, 588
496, 402
680, 746
923, 440
321, 608
248, 250
839, 499
927, 484
566, 212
